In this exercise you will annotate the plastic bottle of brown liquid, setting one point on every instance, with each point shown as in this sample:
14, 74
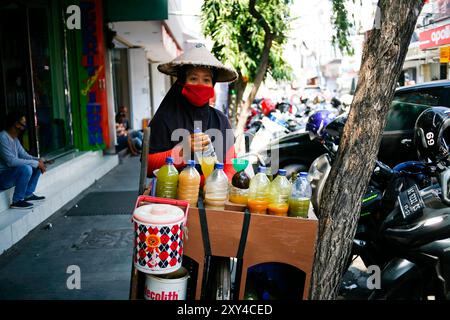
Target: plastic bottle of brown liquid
189, 184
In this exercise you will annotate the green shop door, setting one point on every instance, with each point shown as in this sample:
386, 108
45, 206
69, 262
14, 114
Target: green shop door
34, 78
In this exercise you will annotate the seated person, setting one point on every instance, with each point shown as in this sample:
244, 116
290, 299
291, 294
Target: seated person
17, 167
130, 139
123, 111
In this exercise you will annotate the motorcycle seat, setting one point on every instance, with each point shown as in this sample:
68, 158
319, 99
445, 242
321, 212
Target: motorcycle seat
433, 224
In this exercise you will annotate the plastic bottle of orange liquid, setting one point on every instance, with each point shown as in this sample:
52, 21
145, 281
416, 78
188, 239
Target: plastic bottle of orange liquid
258, 195
216, 189
280, 190
189, 184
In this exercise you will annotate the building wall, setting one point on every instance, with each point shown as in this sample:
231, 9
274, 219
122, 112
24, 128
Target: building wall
139, 87
86, 55
160, 86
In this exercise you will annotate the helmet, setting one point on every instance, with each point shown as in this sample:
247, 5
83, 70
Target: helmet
432, 134
333, 131
317, 122
267, 106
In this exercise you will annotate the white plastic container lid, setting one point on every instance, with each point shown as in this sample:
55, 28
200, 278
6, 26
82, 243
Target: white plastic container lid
158, 214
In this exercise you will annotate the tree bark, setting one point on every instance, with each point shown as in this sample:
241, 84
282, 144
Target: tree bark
240, 88
383, 56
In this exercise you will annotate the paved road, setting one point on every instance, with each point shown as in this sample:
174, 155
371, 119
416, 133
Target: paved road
354, 282
96, 238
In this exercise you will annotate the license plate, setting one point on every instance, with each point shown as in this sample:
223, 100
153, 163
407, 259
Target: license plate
411, 203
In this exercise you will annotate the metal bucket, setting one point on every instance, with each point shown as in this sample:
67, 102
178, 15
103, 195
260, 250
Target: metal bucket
171, 286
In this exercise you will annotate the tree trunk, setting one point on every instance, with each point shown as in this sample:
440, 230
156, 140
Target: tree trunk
240, 88
269, 36
383, 56
262, 69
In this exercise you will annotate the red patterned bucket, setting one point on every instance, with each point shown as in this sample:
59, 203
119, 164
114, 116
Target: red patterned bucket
159, 226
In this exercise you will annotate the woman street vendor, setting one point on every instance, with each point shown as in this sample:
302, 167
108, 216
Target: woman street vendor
186, 108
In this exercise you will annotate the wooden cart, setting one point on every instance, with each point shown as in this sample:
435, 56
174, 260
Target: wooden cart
269, 239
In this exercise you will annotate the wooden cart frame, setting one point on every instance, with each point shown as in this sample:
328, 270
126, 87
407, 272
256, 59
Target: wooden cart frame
270, 239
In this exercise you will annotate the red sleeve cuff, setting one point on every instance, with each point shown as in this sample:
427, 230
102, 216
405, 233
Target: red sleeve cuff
157, 160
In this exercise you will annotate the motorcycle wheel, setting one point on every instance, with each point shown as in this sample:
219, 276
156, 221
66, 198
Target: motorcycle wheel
219, 283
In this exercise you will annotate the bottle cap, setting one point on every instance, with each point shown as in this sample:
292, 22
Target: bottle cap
191, 163
282, 172
197, 130
219, 166
169, 160
303, 174
262, 169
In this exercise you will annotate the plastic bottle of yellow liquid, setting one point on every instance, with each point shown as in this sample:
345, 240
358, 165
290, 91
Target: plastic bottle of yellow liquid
300, 197
216, 189
207, 159
280, 190
167, 180
189, 184
258, 194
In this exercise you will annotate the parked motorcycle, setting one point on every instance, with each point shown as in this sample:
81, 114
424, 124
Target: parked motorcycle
411, 242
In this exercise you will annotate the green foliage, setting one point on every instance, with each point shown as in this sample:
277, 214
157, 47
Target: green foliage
239, 39
342, 27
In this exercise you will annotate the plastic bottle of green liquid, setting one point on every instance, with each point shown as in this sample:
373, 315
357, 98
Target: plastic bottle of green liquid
167, 180
300, 197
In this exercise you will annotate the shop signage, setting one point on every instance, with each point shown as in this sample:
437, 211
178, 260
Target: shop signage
444, 54
435, 37
93, 62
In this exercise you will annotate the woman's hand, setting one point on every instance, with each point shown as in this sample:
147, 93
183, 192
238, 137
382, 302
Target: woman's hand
199, 142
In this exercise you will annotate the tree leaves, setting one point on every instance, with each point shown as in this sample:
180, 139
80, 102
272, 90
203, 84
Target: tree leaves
342, 27
239, 39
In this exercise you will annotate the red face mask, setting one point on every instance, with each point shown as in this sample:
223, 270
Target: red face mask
197, 94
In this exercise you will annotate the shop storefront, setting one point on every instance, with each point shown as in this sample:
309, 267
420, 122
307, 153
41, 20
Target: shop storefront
432, 43
87, 78
54, 74
33, 73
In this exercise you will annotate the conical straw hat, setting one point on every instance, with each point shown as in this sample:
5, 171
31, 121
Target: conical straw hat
199, 56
